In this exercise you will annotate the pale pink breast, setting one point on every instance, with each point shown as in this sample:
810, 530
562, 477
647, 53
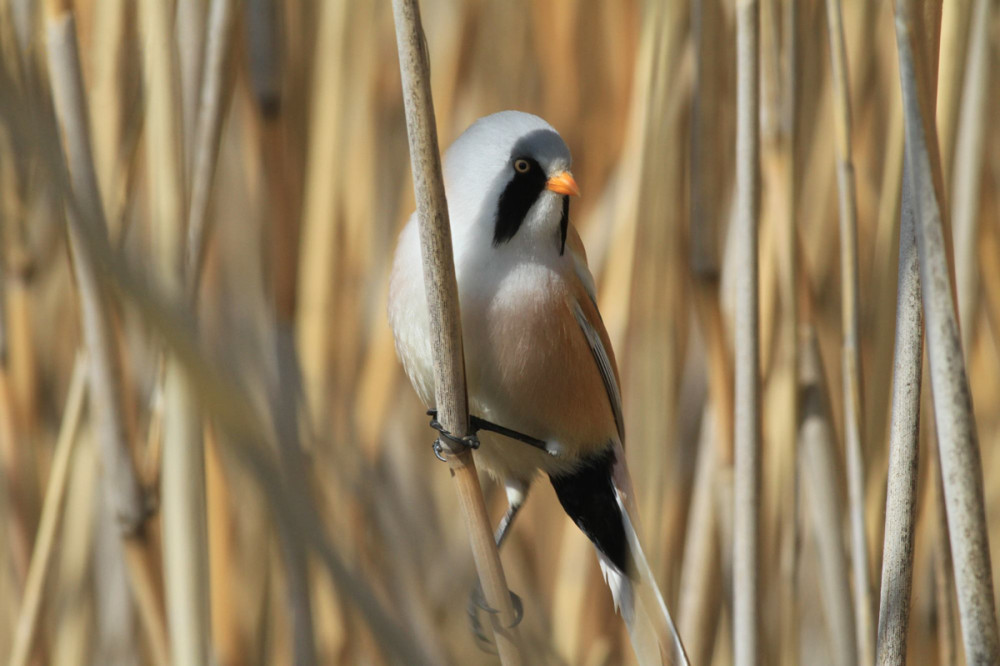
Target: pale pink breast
533, 370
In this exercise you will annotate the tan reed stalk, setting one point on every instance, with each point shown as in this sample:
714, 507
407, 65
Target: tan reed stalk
788, 260
52, 511
189, 36
818, 464
851, 350
446, 328
108, 93
746, 420
185, 538
700, 593
215, 87
70, 107
85, 215
968, 164
234, 410
958, 445
320, 219
904, 445
699, 597
952, 70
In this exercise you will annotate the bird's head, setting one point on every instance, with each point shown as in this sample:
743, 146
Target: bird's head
508, 184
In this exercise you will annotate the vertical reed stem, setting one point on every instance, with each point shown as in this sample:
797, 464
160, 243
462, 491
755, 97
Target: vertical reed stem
968, 164
904, 447
86, 225
185, 536
961, 467
746, 441
446, 326
851, 352
818, 464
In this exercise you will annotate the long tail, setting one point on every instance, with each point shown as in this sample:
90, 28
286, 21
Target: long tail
650, 626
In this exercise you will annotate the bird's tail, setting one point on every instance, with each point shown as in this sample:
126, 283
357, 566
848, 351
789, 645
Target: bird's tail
651, 628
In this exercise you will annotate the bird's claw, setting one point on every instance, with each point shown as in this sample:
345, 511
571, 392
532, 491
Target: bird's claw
468, 441
477, 602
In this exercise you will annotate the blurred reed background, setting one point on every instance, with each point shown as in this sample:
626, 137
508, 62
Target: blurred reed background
247, 475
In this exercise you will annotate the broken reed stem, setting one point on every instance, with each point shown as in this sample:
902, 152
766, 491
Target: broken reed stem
52, 509
904, 448
746, 420
86, 227
208, 131
850, 351
958, 447
968, 164
185, 534
818, 464
446, 325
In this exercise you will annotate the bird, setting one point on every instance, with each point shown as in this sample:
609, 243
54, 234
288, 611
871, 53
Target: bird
542, 380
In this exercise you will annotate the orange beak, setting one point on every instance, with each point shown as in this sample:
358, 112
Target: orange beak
563, 183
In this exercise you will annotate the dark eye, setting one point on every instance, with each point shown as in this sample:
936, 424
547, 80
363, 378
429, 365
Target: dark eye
522, 166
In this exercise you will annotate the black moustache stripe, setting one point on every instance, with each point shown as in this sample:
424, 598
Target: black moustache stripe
564, 225
516, 200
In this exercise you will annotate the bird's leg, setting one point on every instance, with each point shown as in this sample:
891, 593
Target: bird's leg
517, 493
469, 441
476, 424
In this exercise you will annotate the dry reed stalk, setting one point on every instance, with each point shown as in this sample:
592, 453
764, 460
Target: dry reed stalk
446, 331
185, 538
67, 87
958, 445
85, 215
746, 420
968, 165
269, 126
215, 87
190, 40
944, 580
11, 462
225, 607
701, 570
816, 439
851, 350
52, 510
706, 213
701, 588
904, 446
951, 72
615, 288
235, 411
318, 253
788, 261
108, 102
72, 608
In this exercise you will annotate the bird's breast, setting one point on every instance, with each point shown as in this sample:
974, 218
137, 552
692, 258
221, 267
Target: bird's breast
528, 362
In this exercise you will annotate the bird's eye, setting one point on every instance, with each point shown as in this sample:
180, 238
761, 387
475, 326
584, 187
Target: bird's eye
522, 166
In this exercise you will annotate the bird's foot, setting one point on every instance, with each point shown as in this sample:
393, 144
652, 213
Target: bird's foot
477, 603
468, 441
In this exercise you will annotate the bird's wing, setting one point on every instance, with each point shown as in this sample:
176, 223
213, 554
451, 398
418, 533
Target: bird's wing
599, 347
580, 267
585, 311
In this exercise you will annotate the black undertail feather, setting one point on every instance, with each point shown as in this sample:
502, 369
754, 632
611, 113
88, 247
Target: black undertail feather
588, 497
516, 200
564, 225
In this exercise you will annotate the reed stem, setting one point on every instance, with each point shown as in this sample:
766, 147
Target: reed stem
746, 420
446, 326
961, 467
